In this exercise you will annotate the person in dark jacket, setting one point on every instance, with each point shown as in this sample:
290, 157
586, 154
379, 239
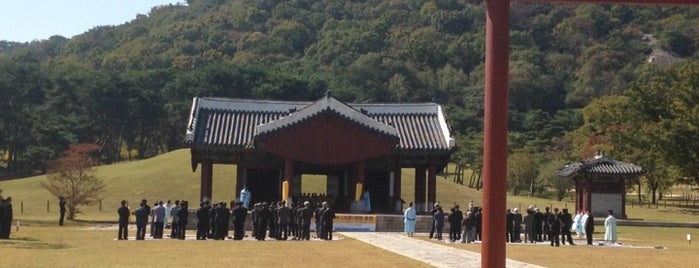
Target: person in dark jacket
555, 224
509, 226
203, 221
589, 227
567, 224
142, 213
432, 212
182, 219
458, 217
306, 215
439, 223
263, 217
517, 226
539, 220
62, 209
212, 220
283, 220
6, 219
478, 222
124, 213
327, 220
239, 213
223, 217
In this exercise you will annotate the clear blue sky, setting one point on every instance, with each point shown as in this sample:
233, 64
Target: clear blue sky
27, 20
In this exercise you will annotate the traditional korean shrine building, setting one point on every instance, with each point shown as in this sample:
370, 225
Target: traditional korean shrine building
358, 147
600, 184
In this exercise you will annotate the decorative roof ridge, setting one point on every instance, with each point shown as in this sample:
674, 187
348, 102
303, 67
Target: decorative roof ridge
327, 103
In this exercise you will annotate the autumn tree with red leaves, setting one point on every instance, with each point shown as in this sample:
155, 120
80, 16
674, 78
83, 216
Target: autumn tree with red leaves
73, 177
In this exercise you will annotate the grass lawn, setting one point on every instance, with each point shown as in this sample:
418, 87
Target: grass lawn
641, 252
84, 246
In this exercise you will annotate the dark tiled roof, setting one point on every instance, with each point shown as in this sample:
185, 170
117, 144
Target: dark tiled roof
600, 164
222, 123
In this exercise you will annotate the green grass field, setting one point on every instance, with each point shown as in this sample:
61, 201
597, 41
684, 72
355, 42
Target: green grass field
40, 243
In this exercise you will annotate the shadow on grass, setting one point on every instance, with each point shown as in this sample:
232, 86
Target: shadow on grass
30, 243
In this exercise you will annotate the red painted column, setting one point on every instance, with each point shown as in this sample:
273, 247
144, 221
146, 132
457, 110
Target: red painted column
206, 181
288, 176
240, 180
622, 185
360, 169
588, 198
579, 191
397, 188
495, 133
431, 186
420, 189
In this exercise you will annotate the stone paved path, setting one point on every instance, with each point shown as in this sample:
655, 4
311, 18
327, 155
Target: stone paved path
430, 253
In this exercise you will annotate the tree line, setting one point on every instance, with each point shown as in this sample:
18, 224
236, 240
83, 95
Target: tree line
128, 88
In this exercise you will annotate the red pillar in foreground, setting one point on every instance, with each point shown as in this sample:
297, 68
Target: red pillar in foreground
206, 181
495, 133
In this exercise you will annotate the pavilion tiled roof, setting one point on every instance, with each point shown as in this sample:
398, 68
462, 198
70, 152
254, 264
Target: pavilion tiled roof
225, 123
600, 164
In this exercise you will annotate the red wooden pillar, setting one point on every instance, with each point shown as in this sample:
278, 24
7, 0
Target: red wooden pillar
495, 132
206, 181
359, 180
431, 186
241, 179
288, 176
622, 191
397, 188
579, 192
588, 195
420, 189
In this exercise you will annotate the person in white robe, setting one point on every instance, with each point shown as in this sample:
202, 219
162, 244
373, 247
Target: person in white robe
245, 197
583, 221
577, 224
409, 220
610, 228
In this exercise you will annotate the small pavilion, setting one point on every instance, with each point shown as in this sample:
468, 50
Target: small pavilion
600, 184
357, 147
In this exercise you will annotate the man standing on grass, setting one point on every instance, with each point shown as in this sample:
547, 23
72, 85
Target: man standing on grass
555, 224
432, 212
306, 214
283, 220
62, 209
142, 220
174, 212
123, 212
589, 226
517, 226
239, 213
6, 218
567, 220
202, 221
158, 219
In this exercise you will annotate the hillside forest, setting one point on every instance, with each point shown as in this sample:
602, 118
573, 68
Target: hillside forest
622, 79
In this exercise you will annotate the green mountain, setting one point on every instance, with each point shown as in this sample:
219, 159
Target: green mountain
129, 87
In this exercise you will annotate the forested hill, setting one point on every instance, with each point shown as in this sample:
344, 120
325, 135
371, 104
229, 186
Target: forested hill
129, 87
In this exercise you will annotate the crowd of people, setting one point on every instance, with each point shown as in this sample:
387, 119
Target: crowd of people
276, 220
555, 227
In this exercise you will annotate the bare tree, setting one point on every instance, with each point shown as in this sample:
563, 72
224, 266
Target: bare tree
73, 178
